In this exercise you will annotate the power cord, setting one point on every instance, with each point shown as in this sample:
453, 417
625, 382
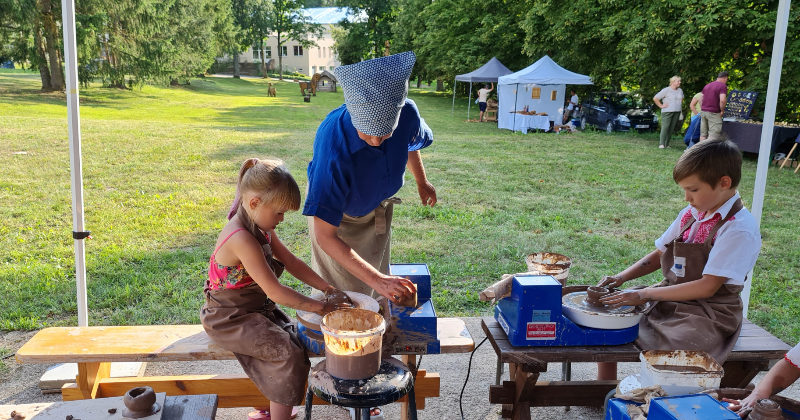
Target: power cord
469, 368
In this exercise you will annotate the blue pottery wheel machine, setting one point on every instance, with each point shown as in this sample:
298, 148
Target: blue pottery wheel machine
532, 316
413, 330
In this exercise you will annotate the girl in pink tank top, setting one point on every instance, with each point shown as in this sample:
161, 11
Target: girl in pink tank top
242, 290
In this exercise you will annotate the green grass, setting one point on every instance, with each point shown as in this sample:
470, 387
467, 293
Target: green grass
160, 167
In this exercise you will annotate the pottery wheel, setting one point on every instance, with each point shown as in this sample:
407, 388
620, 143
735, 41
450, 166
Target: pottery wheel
577, 300
360, 301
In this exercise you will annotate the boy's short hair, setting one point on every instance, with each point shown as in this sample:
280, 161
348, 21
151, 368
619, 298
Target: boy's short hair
710, 160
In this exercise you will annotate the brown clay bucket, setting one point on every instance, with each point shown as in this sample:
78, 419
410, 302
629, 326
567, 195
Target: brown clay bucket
353, 340
550, 263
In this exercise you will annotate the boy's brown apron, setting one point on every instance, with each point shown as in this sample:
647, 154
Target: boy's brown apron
246, 322
369, 236
711, 325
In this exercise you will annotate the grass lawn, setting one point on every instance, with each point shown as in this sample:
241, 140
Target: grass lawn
160, 168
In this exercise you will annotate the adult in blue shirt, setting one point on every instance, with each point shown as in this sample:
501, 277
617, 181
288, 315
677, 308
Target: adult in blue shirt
361, 151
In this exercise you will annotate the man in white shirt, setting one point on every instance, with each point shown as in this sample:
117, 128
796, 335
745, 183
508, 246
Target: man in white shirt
483, 94
572, 105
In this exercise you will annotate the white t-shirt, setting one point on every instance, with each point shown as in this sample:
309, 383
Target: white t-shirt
793, 356
672, 98
573, 101
737, 245
482, 94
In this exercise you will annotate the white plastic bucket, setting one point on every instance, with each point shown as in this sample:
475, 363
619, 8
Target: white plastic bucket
353, 340
556, 265
680, 372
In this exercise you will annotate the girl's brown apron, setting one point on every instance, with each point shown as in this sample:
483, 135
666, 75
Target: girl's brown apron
369, 236
711, 325
246, 322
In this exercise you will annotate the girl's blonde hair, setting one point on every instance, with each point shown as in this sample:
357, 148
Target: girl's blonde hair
270, 180
673, 79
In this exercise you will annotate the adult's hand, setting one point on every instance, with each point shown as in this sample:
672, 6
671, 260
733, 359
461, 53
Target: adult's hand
611, 282
338, 297
331, 306
427, 193
624, 298
394, 288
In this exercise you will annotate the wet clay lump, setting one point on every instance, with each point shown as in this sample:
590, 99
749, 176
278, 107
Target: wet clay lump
766, 409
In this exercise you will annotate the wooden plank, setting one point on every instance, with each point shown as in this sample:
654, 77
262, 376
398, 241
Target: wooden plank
453, 335
191, 407
84, 409
233, 390
142, 343
90, 375
556, 393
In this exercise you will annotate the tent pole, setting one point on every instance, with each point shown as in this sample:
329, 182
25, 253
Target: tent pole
455, 82
516, 96
74, 126
470, 99
765, 148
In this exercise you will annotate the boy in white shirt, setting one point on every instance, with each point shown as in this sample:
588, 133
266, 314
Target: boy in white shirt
705, 256
483, 95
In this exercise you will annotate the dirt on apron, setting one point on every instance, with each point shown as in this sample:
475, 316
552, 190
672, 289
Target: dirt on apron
261, 336
711, 325
369, 236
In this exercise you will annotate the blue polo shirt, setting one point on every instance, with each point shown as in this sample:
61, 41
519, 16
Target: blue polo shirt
348, 176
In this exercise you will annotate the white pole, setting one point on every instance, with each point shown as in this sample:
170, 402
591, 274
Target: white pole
769, 123
470, 99
454, 98
74, 125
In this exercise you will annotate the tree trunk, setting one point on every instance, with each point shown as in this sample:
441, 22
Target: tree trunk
51, 35
263, 59
280, 58
40, 55
439, 85
419, 81
236, 74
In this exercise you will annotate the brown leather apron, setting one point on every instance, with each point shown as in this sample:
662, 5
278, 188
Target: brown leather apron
711, 325
370, 236
264, 340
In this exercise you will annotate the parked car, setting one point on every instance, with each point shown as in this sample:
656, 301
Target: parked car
617, 111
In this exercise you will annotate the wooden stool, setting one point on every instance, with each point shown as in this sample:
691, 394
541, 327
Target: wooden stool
362, 394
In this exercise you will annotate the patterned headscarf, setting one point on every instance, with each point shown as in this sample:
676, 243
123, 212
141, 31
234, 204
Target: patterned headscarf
375, 91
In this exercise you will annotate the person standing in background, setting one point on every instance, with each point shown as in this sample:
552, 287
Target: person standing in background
715, 96
572, 106
672, 97
697, 101
483, 95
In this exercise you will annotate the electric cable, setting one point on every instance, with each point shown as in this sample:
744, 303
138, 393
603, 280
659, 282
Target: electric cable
469, 368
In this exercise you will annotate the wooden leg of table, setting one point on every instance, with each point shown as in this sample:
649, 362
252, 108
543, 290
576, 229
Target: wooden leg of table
798, 167
524, 384
739, 374
89, 376
411, 361
786, 159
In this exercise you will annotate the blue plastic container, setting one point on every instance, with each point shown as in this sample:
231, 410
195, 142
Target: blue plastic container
690, 407
576, 122
618, 409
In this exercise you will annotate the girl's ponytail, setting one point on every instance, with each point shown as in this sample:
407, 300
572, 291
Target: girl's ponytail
247, 164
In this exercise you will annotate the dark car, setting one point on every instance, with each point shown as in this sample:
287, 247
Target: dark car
617, 111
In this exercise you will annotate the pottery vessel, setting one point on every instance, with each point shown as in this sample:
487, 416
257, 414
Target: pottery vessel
593, 295
766, 409
140, 402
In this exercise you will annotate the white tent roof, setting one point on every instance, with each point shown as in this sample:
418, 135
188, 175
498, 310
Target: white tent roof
545, 72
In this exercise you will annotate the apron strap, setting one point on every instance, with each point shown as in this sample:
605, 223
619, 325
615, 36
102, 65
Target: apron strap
734, 209
686, 227
380, 214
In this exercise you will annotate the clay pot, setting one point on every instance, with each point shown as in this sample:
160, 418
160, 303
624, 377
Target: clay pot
140, 402
410, 301
593, 295
766, 409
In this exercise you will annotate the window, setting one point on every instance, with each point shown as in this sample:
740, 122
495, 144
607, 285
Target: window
330, 51
313, 69
536, 93
298, 50
268, 51
284, 48
321, 68
324, 51
331, 68
319, 52
256, 53
553, 95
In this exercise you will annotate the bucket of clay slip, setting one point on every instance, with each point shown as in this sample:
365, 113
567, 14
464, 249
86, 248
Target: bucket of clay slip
353, 339
550, 263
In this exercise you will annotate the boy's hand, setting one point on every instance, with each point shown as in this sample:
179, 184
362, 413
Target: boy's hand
338, 297
611, 282
623, 298
330, 307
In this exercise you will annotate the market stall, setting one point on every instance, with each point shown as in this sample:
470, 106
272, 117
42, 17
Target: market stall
537, 89
747, 135
487, 73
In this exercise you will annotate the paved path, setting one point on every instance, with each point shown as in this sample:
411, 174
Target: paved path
20, 383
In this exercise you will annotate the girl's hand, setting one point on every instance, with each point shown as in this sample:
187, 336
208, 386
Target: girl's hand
741, 407
611, 282
624, 298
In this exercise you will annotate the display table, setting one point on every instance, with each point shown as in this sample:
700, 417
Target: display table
523, 123
748, 136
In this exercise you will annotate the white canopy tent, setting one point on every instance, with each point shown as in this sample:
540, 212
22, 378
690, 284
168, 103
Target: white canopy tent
540, 86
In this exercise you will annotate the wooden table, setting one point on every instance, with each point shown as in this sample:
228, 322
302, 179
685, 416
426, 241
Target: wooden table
181, 407
753, 351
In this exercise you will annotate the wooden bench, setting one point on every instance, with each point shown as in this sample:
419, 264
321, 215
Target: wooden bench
94, 348
752, 354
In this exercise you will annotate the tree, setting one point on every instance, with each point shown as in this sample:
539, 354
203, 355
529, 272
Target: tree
287, 22
407, 30
366, 35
